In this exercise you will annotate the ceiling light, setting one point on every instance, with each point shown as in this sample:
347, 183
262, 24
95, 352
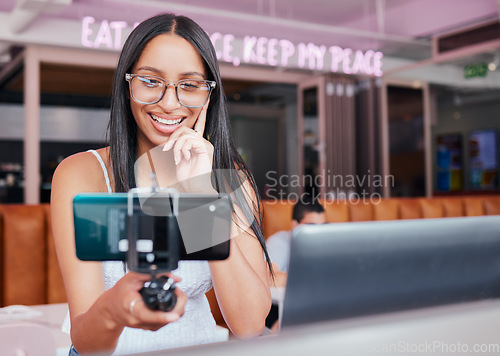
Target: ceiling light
493, 65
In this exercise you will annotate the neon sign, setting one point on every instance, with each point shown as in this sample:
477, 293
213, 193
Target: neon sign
108, 35
254, 50
283, 53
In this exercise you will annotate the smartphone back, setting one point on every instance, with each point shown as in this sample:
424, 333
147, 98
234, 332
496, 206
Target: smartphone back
101, 226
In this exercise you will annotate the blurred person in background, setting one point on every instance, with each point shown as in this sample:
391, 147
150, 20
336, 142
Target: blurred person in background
305, 211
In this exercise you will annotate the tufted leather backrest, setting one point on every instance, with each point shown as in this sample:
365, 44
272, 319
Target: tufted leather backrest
55, 284
277, 215
29, 271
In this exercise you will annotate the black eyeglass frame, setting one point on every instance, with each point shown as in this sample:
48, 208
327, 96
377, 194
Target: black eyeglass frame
129, 77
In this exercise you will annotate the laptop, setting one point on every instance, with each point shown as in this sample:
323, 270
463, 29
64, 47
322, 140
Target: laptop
347, 270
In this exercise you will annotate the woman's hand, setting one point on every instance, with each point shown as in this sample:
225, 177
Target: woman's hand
193, 156
126, 307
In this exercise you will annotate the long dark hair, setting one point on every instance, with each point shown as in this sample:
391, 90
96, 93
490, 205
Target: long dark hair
122, 128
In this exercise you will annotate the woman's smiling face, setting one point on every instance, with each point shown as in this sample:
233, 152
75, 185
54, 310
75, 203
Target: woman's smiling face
171, 58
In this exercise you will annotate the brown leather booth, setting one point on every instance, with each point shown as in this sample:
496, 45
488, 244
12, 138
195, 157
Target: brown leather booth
29, 271
277, 215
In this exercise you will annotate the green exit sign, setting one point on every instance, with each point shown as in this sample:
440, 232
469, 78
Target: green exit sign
475, 70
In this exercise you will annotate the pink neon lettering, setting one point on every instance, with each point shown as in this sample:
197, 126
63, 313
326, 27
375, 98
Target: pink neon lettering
368, 59
302, 55
261, 50
287, 50
87, 31
214, 38
227, 47
346, 60
118, 26
312, 54
319, 54
358, 64
104, 36
248, 49
377, 64
272, 52
337, 56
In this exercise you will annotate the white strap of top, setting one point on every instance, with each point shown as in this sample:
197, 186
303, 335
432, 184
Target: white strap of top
105, 171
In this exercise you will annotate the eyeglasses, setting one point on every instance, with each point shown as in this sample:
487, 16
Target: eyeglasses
149, 89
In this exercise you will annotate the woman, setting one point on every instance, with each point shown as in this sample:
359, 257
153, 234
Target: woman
163, 61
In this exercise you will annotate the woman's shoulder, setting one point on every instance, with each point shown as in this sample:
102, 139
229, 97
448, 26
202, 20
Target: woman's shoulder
83, 170
83, 162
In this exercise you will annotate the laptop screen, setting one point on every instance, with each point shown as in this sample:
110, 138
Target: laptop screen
353, 269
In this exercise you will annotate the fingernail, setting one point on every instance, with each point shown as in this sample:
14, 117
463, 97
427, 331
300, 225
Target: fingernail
167, 146
176, 160
171, 316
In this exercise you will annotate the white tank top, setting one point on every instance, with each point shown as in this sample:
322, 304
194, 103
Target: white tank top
196, 326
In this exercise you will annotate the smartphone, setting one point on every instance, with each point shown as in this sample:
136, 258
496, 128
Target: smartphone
200, 231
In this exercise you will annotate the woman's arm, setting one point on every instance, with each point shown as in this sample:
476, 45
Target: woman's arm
241, 283
97, 316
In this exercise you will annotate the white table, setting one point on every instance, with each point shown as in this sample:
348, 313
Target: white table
461, 329
50, 316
